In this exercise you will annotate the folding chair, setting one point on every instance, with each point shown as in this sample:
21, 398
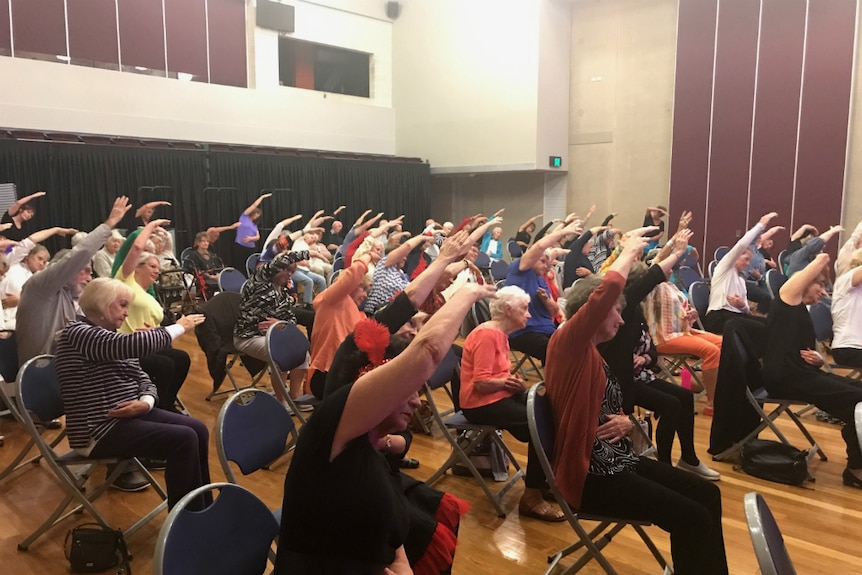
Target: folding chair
38, 395
288, 347
251, 263
215, 337
758, 398
782, 262
230, 279
821, 317
689, 276
711, 268
474, 435
774, 280
769, 548
233, 536
499, 269
252, 430
483, 261
720, 252
514, 248
541, 422
698, 295
672, 363
521, 358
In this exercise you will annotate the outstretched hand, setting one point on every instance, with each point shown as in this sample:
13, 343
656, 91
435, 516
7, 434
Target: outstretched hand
455, 247
119, 209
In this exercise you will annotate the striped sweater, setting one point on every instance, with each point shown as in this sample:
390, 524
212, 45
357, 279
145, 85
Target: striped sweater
98, 369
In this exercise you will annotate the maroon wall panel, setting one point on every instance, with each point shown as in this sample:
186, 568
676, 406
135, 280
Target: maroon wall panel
186, 29
692, 102
227, 42
142, 39
825, 112
39, 26
93, 31
735, 63
773, 162
5, 33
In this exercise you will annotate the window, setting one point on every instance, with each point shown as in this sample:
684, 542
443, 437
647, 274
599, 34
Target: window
323, 68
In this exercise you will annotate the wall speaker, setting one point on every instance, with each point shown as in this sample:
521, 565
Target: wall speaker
393, 9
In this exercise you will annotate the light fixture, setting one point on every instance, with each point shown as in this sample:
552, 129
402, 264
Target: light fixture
141, 68
185, 76
63, 58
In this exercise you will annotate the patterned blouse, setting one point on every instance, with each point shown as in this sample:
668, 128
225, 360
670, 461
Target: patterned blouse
261, 299
610, 458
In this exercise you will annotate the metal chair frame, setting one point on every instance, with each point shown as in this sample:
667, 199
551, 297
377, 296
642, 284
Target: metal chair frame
766, 538
287, 348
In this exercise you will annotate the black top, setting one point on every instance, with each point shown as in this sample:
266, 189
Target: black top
347, 516
788, 330
648, 221
576, 259
203, 264
13, 233
618, 351
523, 236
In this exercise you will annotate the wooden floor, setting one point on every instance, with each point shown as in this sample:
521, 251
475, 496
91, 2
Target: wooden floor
822, 522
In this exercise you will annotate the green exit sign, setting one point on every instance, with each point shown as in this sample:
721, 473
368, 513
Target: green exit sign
555, 161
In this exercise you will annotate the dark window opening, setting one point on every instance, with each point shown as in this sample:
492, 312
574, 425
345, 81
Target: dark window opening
323, 68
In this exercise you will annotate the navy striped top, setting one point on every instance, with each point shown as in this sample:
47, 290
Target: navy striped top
98, 369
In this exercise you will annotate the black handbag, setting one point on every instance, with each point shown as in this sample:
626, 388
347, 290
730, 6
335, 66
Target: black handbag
774, 461
92, 548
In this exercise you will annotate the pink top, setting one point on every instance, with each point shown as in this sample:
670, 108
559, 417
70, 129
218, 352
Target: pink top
486, 356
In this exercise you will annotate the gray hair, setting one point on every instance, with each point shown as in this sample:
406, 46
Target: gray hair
507, 297
146, 256
579, 293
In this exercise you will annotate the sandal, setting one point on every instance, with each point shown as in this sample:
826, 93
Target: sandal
543, 511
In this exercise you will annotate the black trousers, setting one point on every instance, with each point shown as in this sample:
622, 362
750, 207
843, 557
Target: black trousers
758, 292
848, 356
183, 441
511, 414
754, 327
532, 343
674, 407
168, 370
681, 503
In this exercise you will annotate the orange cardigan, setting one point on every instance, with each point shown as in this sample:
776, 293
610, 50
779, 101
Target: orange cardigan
336, 314
575, 382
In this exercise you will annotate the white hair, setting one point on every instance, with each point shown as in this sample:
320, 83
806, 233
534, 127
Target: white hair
507, 297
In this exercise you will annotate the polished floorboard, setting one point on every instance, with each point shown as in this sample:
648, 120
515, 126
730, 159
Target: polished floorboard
821, 522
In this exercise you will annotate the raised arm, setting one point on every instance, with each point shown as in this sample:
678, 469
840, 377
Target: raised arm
379, 392
148, 207
793, 289
537, 250
743, 243
405, 248
526, 224
139, 246
276, 231
801, 231
454, 248
16, 207
255, 204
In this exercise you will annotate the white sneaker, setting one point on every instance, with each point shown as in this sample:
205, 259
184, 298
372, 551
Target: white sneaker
699, 469
286, 407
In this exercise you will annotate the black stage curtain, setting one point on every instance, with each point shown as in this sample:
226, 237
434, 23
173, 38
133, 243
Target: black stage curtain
205, 188
304, 185
82, 182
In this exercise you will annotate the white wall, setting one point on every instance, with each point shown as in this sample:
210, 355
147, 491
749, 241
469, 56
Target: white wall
336, 25
57, 97
466, 84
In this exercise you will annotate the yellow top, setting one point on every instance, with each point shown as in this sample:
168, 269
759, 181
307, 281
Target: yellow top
145, 311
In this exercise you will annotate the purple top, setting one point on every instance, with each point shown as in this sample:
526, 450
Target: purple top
246, 228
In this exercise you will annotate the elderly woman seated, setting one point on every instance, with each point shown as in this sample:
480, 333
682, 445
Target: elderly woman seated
847, 314
337, 471
490, 395
595, 467
111, 402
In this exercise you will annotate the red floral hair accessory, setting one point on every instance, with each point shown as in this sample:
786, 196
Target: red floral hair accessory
372, 337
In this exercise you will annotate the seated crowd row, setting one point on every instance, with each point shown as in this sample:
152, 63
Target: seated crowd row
378, 331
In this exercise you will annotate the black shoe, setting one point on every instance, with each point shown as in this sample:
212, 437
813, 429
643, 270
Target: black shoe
409, 463
131, 481
851, 480
153, 464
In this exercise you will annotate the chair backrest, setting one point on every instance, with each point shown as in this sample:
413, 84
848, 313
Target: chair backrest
720, 252
231, 279
782, 261
481, 311
774, 280
499, 269
252, 430
287, 345
185, 255
223, 310
766, 537
483, 261
38, 389
821, 317
334, 276
698, 292
689, 276
443, 374
338, 264
711, 268
232, 536
251, 263
514, 249
540, 420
